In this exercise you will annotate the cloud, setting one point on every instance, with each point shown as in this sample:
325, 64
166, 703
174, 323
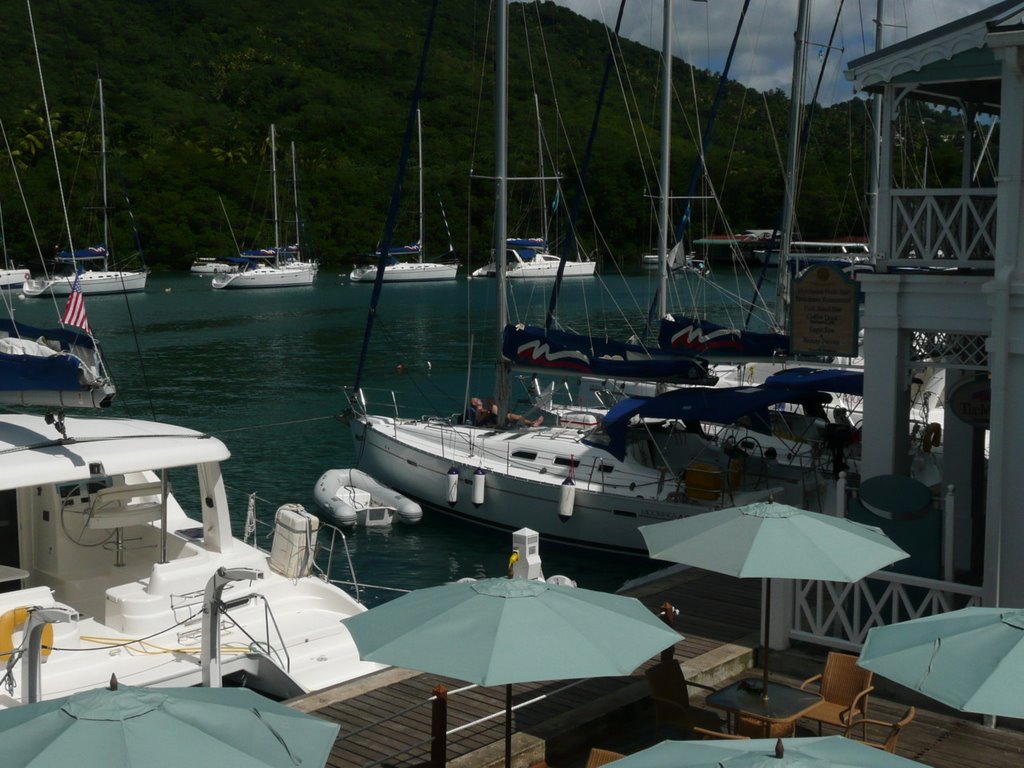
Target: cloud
764, 53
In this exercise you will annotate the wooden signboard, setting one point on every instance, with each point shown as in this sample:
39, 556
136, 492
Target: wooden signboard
824, 316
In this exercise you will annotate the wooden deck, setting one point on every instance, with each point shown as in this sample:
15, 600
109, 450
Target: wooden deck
386, 718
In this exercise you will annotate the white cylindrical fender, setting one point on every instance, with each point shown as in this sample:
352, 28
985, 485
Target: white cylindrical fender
453, 486
566, 499
479, 481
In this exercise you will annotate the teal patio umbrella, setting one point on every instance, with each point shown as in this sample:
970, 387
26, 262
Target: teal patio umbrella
505, 631
163, 728
769, 540
814, 752
971, 659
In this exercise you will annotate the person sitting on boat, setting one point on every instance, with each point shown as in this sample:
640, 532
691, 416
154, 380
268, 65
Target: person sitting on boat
483, 415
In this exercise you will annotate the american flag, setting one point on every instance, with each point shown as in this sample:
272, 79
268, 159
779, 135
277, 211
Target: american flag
74, 311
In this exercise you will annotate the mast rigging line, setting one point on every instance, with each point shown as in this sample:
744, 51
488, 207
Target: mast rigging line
396, 198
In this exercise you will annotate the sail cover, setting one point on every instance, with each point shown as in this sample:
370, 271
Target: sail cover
53, 367
83, 254
703, 337
529, 346
723, 405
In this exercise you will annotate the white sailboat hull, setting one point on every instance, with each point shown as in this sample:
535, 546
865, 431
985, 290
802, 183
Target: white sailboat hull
406, 272
12, 279
546, 268
524, 475
267, 277
93, 282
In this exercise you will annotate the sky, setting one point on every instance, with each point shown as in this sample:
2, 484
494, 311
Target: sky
764, 54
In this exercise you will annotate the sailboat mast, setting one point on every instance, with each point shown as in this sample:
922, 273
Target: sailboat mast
663, 173
800, 36
103, 174
419, 146
540, 166
273, 184
295, 201
502, 385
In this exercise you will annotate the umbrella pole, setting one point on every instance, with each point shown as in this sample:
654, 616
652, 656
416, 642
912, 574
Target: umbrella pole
508, 726
764, 647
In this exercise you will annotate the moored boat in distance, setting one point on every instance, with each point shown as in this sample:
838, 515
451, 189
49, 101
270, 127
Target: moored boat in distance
530, 258
101, 280
409, 271
208, 265
265, 268
277, 267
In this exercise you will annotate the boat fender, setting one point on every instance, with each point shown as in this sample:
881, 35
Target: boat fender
931, 437
479, 479
14, 619
566, 499
453, 485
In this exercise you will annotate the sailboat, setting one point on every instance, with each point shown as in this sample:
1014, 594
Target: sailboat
11, 277
531, 257
91, 265
648, 460
276, 267
412, 268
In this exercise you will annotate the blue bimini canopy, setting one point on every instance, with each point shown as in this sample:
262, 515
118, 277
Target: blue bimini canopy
689, 335
534, 243
529, 346
52, 366
83, 254
726, 405
837, 380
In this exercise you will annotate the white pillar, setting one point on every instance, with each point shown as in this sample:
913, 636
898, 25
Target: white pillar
216, 521
1004, 567
885, 435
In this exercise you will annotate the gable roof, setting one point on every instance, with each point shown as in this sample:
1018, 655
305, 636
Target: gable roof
950, 64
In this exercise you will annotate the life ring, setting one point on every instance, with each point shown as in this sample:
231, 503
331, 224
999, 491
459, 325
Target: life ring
13, 620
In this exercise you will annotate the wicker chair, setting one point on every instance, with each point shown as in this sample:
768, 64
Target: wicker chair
672, 699
844, 688
891, 730
599, 757
753, 728
708, 734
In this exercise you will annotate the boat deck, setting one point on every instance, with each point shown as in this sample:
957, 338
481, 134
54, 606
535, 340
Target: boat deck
386, 718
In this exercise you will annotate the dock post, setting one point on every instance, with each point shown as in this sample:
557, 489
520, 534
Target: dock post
668, 615
439, 728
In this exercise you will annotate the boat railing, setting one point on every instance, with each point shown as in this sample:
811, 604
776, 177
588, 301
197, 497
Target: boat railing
260, 533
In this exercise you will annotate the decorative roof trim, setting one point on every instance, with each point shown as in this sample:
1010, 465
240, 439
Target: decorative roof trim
940, 44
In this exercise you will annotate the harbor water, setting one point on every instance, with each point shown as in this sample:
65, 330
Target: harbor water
266, 371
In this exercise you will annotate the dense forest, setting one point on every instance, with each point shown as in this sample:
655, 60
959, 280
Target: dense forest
191, 89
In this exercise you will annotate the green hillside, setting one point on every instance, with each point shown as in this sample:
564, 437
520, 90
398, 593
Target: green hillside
191, 88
